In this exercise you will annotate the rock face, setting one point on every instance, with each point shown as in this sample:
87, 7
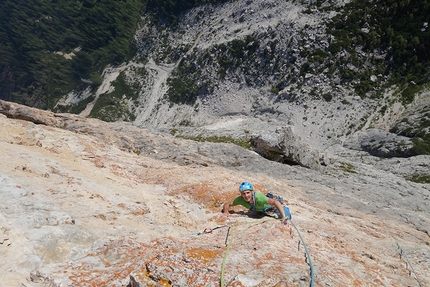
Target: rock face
266, 61
285, 147
381, 143
89, 203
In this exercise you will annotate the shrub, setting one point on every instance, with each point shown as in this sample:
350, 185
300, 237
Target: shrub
327, 97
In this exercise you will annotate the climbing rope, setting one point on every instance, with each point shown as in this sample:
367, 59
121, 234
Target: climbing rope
230, 234
404, 254
308, 256
224, 260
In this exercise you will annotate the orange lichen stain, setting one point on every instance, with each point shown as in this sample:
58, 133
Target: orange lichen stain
358, 283
260, 188
346, 277
237, 284
92, 196
164, 282
139, 211
203, 254
160, 283
206, 194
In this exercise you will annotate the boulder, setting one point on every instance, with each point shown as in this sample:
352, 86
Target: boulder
381, 143
285, 146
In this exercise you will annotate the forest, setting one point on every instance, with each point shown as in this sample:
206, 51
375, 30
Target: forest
399, 27
35, 35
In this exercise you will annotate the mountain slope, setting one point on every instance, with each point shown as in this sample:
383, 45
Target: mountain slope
92, 203
325, 68
228, 61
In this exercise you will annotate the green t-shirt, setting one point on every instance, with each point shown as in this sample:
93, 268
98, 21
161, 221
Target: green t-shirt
260, 202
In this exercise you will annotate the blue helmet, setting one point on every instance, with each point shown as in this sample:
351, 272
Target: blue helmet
245, 186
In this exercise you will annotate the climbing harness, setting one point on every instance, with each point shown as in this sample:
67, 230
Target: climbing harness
275, 197
404, 254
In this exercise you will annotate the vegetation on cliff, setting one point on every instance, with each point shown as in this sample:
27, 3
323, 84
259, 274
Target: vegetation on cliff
48, 47
55, 47
398, 28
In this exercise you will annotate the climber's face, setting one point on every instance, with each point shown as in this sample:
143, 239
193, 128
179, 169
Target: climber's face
247, 195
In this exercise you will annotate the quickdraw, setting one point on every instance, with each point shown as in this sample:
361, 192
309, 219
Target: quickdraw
209, 230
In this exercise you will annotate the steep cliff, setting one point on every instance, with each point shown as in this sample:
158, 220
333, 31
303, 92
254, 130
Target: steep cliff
258, 66
90, 203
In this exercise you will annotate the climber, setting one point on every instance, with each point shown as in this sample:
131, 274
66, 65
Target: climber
257, 201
